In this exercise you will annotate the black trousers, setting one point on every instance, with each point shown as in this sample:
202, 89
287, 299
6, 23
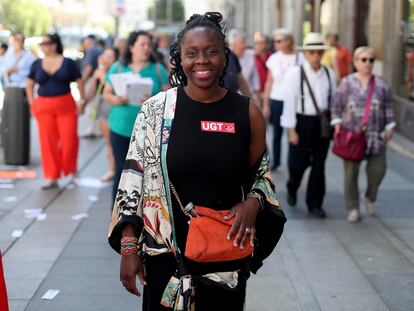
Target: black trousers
276, 112
120, 145
311, 151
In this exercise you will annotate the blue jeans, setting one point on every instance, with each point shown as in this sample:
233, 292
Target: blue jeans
120, 145
276, 109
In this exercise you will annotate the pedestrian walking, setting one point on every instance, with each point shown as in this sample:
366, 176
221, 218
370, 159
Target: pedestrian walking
175, 146
238, 45
355, 92
306, 97
55, 110
139, 60
93, 50
262, 54
15, 126
278, 64
101, 108
338, 57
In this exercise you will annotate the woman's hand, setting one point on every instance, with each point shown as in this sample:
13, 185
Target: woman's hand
388, 135
266, 110
81, 107
131, 266
120, 100
293, 136
245, 213
337, 128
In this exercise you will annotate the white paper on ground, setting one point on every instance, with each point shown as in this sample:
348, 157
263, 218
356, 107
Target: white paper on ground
6, 181
50, 294
17, 233
32, 212
10, 199
70, 187
93, 198
35, 211
41, 217
90, 182
6, 186
80, 216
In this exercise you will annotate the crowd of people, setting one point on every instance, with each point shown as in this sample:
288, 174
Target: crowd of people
271, 75
209, 92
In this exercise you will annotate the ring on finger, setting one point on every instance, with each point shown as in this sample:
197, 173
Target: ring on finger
247, 231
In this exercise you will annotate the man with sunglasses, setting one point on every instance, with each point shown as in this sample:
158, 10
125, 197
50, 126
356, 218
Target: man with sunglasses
307, 91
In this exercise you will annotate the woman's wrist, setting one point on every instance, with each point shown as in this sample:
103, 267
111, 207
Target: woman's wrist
129, 246
259, 198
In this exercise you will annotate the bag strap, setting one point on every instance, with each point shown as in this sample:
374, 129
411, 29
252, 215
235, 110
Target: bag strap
330, 86
302, 94
159, 75
371, 88
188, 210
310, 91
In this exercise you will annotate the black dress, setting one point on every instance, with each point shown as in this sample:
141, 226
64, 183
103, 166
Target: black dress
207, 160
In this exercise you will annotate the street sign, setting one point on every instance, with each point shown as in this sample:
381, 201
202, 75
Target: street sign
119, 7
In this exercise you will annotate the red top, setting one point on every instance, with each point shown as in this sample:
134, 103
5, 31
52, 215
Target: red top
343, 60
262, 69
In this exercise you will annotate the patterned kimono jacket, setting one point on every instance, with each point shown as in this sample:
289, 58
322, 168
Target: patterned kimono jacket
144, 199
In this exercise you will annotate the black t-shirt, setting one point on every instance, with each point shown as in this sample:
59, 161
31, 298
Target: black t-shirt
233, 69
58, 83
207, 159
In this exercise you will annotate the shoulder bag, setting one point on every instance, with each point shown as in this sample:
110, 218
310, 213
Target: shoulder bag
207, 235
324, 116
350, 145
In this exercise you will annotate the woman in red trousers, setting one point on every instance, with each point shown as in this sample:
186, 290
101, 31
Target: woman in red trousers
55, 110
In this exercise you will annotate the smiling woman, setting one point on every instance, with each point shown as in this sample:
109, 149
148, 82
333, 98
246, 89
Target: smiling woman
176, 140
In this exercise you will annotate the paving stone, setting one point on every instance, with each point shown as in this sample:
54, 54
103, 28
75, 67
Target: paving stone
26, 270
371, 251
64, 302
22, 289
395, 289
18, 304
363, 302
91, 266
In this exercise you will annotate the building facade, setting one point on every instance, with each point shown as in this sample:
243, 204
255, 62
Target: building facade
386, 25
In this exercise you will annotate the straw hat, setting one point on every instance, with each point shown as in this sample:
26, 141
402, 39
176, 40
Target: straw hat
314, 42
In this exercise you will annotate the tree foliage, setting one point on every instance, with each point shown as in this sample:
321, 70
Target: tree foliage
161, 9
30, 17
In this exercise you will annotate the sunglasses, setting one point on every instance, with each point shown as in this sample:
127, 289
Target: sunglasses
313, 52
46, 43
279, 41
367, 59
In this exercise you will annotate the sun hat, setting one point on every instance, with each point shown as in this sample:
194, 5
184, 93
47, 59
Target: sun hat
314, 42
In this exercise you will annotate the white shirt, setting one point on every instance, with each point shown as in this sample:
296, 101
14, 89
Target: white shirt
279, 64
249, 70
292, 103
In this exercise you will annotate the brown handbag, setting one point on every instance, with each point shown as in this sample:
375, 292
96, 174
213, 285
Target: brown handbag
207, 235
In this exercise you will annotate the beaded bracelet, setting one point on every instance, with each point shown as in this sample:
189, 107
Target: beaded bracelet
129, 246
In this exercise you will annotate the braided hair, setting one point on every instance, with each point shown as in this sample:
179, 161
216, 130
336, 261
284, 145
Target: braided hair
211, 20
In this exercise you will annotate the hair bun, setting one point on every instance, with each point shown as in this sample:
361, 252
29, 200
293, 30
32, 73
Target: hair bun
214, 17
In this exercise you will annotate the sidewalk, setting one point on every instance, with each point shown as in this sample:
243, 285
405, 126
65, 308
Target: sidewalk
319, 264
